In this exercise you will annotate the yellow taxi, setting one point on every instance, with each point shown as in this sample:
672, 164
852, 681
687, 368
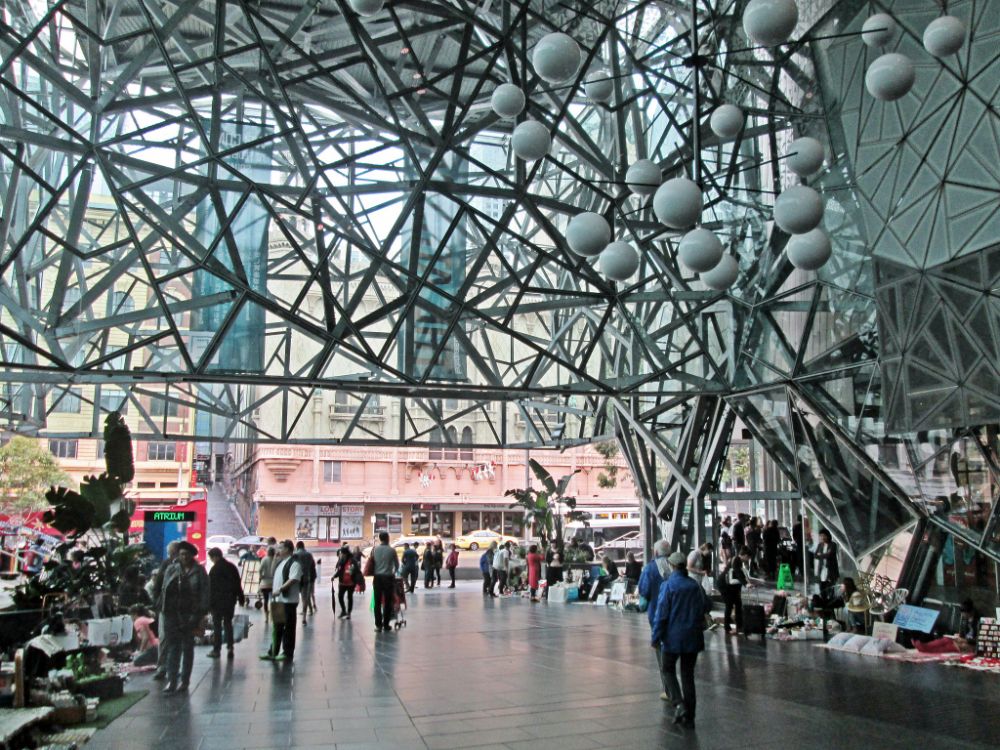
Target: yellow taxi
482, 539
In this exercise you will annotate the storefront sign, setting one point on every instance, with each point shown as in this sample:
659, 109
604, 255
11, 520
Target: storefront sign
329, 510
426, 506
307, 511
352, 510
167, 516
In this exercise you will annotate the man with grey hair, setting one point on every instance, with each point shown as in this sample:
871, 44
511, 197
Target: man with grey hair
653, 574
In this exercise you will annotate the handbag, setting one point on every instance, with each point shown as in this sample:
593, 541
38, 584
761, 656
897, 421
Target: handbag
278, 613
370, 565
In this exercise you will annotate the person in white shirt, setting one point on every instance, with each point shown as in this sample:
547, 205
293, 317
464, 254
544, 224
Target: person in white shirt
284, 599
500, 560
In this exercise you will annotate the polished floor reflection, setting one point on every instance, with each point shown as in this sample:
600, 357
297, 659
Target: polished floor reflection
509, 675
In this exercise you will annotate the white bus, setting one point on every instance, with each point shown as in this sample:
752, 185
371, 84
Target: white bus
611, 531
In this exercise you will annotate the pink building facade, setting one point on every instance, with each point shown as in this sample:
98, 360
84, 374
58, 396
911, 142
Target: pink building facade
326, 495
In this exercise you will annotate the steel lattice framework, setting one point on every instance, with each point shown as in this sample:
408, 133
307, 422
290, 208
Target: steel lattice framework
236, 207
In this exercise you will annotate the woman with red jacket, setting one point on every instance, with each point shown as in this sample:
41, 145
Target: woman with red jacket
534, 561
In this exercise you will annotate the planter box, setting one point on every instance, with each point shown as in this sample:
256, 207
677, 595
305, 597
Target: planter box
103, 688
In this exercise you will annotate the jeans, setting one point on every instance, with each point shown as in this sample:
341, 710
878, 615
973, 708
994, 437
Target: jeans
349, 607
500, 577
383, 591
487, 584
451, 573
178, 647
222, 621
437, 575
731, 595
411, 579
683, 693
429, 578
283, 634
305, 594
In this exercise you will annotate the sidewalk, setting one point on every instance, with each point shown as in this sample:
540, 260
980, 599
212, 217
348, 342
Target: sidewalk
222, 518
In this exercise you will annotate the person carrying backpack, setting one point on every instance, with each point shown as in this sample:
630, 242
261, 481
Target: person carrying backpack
348, 576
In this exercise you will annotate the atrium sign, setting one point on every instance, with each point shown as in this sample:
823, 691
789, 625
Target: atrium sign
167, 516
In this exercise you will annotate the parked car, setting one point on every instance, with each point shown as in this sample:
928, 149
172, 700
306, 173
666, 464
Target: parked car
244, 543
411, 539
482, 538
222, 541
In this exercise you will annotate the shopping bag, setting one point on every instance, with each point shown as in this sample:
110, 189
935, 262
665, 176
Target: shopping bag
278, 613
370, 565
241, 627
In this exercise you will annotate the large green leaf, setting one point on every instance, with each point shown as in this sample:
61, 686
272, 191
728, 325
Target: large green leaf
564, 483
543, 476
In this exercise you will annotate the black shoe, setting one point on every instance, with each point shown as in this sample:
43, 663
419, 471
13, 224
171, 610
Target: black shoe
169, 688
159, 675
182, 688
213, 654
229, 654
387, 628
688, 723
680, 714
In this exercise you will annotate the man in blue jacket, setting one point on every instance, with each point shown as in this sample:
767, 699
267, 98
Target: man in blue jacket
678, 632
486, 568
654, 573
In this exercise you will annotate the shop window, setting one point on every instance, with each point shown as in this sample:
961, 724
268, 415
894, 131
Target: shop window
332, 471
492, 520
451, 449
63, 448
114, 400
66, 402
390, 522
161, 451
420, 523
437, 440
168, 485
471, 520
146, 485
443, 524
466, 443
513, 523
159, 407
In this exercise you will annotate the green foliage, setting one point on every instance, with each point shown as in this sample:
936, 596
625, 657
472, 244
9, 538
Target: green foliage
737, 465
100, 510
26, 470
542, 507
609, 450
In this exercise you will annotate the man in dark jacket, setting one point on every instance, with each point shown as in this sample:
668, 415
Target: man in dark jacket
308, 564
678, 631
225, 590
171, 558
183, 603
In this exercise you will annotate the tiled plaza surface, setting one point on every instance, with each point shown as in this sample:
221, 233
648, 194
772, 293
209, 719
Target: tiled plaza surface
510, 675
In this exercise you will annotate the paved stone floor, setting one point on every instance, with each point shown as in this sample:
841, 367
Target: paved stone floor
507, 675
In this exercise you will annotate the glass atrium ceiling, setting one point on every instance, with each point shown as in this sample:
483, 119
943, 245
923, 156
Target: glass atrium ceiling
244, 208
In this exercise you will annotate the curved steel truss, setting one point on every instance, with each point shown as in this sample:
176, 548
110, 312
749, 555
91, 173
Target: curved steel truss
293, 223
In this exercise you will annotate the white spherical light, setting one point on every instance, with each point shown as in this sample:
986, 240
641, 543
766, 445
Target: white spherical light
723, 275
878, 30
944, 36
798, 210
619, 261
556, 57
770, 22
699, 250
726, 121
366, 7
588, 234
531, 140
890, 76
809, 251
599, 86
507, 100
805, 156
677, 203
643, 177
